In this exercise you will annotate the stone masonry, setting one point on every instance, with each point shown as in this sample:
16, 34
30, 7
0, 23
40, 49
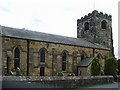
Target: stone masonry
34, 64
95, 33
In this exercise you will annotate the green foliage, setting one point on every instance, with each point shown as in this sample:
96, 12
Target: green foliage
110, 66
118, 66
95, 67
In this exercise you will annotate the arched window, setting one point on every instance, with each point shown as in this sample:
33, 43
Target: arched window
16, 58
42, 56
42, 71
82, 57
86, 26
103, 24
64, 55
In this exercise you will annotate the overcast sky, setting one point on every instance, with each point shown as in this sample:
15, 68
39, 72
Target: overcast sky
55, 16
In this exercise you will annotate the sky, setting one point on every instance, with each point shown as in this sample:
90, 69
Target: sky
56, 16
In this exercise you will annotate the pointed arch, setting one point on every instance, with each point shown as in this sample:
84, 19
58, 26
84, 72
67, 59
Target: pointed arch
17, 46
65, 52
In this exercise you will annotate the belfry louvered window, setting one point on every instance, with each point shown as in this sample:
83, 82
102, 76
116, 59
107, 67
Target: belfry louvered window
103, 24
86, 26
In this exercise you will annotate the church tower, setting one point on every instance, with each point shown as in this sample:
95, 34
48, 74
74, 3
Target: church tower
97, 28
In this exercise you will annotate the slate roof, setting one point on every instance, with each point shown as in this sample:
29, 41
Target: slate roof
33, 35
86, 62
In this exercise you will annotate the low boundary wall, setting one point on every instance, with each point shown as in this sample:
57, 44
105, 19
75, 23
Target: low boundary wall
62, 81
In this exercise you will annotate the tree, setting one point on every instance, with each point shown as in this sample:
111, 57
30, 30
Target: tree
95, 67
118, 66
110, 66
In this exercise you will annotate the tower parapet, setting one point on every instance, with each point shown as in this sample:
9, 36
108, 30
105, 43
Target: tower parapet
97, 14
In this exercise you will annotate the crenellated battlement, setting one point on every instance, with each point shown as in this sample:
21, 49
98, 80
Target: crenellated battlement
97, 14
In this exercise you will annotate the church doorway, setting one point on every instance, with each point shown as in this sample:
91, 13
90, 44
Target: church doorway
42, 71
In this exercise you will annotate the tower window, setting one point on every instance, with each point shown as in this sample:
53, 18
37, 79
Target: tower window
42, 56
86, 26
64, 55
16, 58
104, 24
104, 42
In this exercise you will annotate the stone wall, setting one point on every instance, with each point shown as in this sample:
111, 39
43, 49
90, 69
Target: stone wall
52, 65
9, 45
63, 82
81, 71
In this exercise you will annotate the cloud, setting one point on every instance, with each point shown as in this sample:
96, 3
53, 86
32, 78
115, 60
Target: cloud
53, 16
5, 5
37, 22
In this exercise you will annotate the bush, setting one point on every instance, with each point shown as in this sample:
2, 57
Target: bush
102, 73
95, 67
118, 66
110, 66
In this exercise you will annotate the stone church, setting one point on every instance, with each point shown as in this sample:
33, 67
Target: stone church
40, 54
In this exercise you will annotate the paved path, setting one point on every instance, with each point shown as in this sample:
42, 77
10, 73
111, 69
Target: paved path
114, 86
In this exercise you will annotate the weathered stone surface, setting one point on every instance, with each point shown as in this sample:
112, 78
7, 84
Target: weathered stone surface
96, 33
61, 82
34, 58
